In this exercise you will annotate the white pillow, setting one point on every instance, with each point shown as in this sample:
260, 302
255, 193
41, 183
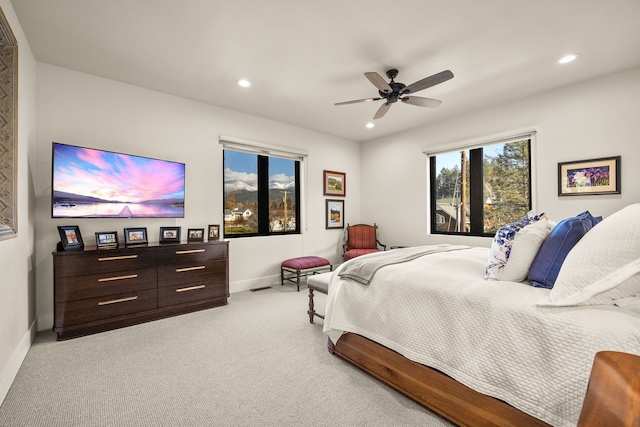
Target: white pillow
524, 249
604, 265
503, 242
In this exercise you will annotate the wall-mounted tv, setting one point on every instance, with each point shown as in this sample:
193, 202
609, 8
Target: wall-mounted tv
91, 183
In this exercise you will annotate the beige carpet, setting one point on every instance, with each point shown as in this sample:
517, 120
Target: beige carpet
256, 362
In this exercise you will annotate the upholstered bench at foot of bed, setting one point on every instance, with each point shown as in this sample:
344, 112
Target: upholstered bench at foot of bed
318, 283
303, 266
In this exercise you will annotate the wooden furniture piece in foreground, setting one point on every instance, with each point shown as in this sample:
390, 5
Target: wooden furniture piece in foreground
302, 266
429, 387
318, 283
613, 394
97, 290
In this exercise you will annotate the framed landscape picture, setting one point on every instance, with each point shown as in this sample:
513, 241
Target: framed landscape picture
334, 183
589, 177
335, 213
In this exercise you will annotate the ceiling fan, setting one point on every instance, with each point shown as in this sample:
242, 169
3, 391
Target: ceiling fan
393, 91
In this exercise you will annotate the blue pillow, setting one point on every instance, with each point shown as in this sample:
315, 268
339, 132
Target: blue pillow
564, 236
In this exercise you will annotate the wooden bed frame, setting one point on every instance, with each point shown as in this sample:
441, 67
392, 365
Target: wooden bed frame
429, 387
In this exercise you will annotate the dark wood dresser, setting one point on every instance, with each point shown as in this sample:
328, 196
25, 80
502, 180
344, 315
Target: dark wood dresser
97, 290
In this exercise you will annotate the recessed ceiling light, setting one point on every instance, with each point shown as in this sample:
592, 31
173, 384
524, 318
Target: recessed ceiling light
568, 58
370, 125
243, 82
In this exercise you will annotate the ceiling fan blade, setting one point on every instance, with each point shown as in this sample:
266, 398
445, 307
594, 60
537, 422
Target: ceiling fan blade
382, 110
438, 78
378, 81
421, 102
357, 101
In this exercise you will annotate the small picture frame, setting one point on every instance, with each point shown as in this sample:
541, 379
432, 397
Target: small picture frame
335, 183
195, 235
107, 239
334, 214
589, 177
214, 232
135, 236
169, 234
70, 238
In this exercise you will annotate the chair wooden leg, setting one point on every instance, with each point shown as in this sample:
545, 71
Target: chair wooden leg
311, 307
298, 279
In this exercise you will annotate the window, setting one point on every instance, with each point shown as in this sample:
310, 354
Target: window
261, 195
8, 130
475, 191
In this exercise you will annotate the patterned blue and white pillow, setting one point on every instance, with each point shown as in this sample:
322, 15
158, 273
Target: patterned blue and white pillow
503, 241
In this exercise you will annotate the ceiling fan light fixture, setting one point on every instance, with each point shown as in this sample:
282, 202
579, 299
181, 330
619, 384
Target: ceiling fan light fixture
370, 125
568, 58
243, 82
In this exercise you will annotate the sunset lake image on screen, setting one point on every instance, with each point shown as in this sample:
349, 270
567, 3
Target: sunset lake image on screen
95, 183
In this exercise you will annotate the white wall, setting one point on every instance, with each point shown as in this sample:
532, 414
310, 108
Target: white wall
17, 278
81, 109
590, 120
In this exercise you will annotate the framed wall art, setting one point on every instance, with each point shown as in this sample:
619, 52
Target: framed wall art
70, 238
135, 236
589, 177
107, 239
334, 183
214, 232
169, 234
335, 214
195, 235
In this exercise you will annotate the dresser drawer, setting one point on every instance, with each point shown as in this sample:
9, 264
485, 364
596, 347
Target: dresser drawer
194, 292
92, 309
98, 285
191, 254
98, 262
187, 273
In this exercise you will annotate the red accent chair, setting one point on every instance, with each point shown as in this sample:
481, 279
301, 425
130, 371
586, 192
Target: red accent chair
361, 239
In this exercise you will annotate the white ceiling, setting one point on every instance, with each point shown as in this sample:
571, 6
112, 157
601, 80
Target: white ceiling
302, 56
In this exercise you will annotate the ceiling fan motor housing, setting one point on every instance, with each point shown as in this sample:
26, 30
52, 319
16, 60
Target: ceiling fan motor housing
396, 89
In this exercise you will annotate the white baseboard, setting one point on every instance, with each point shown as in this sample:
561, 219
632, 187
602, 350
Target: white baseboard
13, 367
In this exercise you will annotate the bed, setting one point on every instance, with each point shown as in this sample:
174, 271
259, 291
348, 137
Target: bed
489, 352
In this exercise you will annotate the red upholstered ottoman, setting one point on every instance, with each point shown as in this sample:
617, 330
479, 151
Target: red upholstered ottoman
302, 266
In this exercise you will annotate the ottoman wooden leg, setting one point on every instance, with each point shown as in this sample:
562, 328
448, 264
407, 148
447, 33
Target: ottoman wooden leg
311, 307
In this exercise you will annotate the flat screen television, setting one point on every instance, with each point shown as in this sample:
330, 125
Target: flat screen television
92, 183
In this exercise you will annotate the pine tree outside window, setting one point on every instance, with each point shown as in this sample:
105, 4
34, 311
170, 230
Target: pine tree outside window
474, 191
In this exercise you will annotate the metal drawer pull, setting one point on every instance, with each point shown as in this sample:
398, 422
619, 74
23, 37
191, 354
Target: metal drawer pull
182, 270
109, 279
116, 258
190, 251
115, 301
191, 288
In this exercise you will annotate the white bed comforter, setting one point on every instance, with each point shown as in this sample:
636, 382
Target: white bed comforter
489, 335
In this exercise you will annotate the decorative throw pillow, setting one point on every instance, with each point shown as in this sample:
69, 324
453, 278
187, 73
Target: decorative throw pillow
525, 247
564, 236
604, 265
503, 242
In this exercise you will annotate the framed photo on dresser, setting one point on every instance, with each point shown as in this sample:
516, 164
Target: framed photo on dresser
169, 234
70, 238
195, 235
135, 236
107, 239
